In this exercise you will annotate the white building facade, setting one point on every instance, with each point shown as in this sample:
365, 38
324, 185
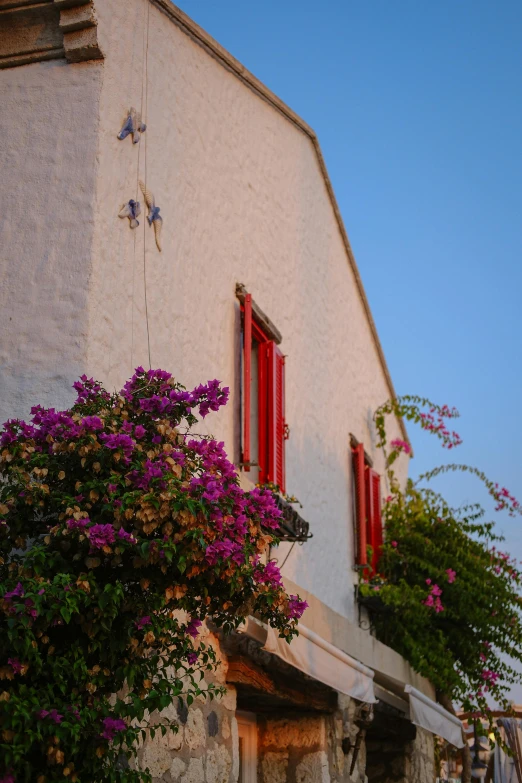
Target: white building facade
245, 200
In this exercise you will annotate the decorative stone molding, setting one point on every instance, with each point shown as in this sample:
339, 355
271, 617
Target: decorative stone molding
35, 30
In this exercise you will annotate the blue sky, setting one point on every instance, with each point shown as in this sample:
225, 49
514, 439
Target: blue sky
418, 108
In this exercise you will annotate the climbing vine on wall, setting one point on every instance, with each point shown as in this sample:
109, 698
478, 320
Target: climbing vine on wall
120, 532
449, 596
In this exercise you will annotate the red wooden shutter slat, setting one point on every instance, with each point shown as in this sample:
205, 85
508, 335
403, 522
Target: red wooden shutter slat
276, 422
271, 410
360, 502
369, 508
262, 415
279, 445
376, 518
247, 378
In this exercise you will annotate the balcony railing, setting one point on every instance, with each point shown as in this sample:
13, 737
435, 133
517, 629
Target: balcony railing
292, 526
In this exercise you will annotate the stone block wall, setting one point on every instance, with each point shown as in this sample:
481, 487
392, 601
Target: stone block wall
297, 748
293, 746
205, 747
412, 762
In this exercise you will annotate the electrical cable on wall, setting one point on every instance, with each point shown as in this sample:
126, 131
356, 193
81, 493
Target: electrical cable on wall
144, 104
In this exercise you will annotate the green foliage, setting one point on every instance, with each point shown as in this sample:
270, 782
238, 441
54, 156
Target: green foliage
119, 534
448, 599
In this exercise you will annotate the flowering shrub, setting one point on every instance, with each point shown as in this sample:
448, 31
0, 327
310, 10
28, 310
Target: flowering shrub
452, 597
119, 534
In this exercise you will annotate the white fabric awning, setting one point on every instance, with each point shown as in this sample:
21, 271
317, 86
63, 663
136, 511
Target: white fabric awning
317, 658
427, 714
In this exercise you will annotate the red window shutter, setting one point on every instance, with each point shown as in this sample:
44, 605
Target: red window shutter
375, 518
359, 470
279, 395
263, 439
247, 378
276, 416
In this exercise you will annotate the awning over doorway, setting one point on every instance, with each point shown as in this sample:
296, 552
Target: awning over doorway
431, 716
317, 658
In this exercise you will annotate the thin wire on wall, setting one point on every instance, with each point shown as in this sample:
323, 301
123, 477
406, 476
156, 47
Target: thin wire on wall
143, 141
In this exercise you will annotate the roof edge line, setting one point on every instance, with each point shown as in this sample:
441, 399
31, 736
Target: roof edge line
188, 25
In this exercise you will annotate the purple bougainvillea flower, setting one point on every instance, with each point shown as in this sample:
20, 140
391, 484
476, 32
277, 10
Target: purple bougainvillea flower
78, 524
74, 711
92, 423
296, 607
111, 727
192, 627
18, 592
53, 714
268, 574
142, 622
192, 658
124, 535
15, 665
101, 535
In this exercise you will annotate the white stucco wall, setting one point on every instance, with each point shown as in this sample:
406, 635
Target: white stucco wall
49, 137
243, 199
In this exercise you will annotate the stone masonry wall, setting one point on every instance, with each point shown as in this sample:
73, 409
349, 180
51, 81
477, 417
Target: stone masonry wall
297, 748
205, 747
293, 746
413, 762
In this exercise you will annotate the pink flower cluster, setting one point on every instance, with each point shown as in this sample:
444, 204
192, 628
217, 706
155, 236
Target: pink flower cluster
505, 499
434, 422
401, 445
433, 598
489, 676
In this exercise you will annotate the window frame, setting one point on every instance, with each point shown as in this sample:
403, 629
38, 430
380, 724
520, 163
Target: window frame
368, 527
272, 427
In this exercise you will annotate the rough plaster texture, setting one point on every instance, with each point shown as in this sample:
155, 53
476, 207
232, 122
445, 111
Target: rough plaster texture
49, 129
243, 199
